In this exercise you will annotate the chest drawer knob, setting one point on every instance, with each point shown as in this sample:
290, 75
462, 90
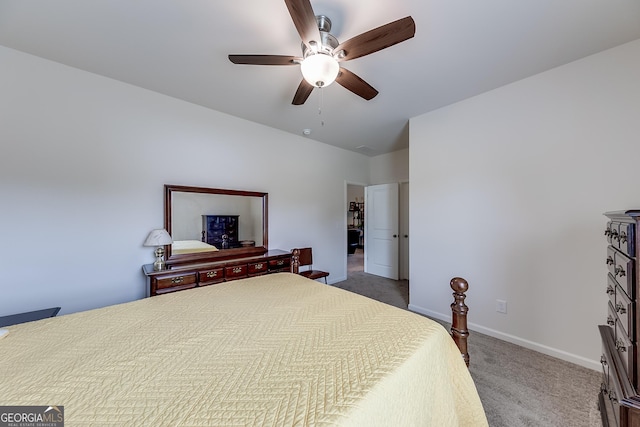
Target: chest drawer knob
620, 308
603, 361
607, 232
614, 235
211, 274
620, 346
622, 237
620, 271
610, 322
609, 260
610, 290
237, 270
177, 280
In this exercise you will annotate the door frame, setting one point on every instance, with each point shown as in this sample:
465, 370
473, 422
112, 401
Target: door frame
346, 222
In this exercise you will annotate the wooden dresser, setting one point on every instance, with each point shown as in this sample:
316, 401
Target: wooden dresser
618, 400
180, 277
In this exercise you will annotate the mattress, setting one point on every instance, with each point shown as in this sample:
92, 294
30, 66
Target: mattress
274, 350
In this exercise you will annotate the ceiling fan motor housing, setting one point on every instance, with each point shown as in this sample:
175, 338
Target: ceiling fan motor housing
327, 41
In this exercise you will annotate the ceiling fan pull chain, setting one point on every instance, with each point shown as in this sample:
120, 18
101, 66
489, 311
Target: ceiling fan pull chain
321, 99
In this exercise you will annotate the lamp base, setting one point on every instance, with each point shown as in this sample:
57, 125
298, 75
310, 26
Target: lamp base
159, 264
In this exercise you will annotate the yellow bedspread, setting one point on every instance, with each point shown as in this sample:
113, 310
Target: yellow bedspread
275, 350
191, 246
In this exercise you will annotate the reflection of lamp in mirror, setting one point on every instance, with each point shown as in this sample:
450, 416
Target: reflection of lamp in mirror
159, 238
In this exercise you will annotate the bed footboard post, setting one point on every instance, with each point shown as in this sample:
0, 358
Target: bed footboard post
295, 261
459, 310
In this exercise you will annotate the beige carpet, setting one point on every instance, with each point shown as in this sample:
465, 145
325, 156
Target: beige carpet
517, 386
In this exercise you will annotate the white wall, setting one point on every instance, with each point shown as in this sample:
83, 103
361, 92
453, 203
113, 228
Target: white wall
508, 190
391, 167
83, 163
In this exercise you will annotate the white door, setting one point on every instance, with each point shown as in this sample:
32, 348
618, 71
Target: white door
381, 230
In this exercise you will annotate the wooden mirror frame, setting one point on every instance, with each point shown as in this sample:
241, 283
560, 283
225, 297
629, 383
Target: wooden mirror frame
174, 259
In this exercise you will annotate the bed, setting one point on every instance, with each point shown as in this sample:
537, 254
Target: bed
191, 246
273, 350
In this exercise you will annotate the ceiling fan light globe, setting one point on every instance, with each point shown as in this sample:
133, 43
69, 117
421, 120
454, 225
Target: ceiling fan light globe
319, 70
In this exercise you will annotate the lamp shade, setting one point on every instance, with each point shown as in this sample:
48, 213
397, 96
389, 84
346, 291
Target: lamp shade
320, 70
158, 237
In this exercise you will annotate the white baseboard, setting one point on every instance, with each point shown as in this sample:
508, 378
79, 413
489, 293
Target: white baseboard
550, 351
333, 280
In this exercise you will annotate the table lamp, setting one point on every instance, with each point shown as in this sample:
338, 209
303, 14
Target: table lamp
159, 238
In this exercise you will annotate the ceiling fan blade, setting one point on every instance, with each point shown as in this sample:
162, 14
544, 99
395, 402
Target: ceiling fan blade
303, 92
377, 39
305, 21
355, 84
265, 59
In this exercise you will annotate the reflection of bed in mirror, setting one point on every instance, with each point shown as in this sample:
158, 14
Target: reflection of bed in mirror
191, 246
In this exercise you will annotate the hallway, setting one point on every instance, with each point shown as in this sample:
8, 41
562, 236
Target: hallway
355, 262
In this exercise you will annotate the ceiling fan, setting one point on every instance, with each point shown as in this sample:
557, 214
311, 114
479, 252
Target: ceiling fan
322, 53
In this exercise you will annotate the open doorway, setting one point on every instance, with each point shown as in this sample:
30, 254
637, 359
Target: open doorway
355, 228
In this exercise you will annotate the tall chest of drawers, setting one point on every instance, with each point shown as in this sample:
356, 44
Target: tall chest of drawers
618, 400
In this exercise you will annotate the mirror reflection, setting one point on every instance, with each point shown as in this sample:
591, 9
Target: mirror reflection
210, 223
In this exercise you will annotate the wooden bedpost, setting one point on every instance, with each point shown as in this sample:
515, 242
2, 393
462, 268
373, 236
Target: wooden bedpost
295, 261
459, 331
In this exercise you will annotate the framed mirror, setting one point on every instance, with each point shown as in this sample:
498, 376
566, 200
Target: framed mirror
209, 224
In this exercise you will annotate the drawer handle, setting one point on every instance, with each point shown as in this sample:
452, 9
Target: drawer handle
177, 280
609, 260
610, 290
614, 235
259, 265
612, 395
620, 271
237, 270
610, 321
211, 274
280, 262
607, 232
620, 346
620, 308
603, 361
622, 237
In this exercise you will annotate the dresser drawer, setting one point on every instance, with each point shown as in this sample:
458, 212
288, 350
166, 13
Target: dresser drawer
625, 239
624, 273
612, 288
257, 267
608, 232
175, 282
625, 349
612, 317
625, 309
611, 259
235, 271
616, 380
211, 276
607, 402
280, 264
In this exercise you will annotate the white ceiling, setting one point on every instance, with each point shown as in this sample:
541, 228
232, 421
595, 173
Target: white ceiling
179, 48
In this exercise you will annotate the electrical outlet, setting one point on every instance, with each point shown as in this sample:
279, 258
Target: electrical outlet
501, 306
